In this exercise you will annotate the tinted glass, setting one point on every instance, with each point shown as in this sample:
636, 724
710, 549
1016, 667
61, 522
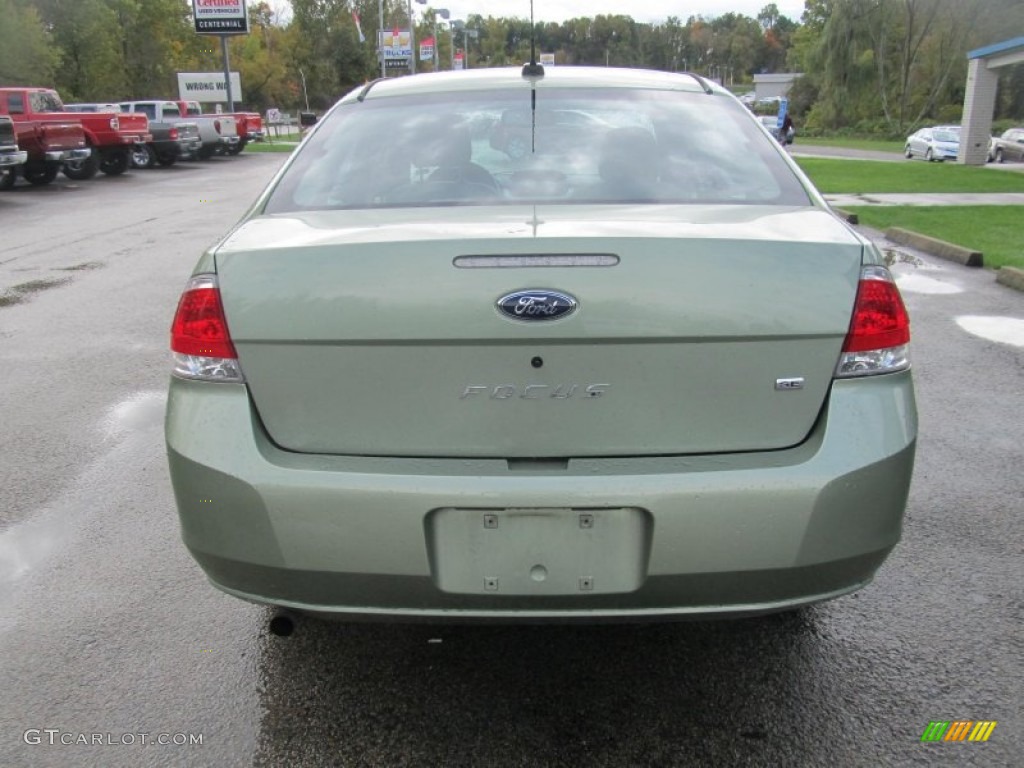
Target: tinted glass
486, 148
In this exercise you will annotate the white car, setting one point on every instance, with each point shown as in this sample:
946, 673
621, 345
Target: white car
941, 142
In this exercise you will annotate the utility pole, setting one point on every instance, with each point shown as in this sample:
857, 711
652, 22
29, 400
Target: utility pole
412, 40
227, 71
380, 34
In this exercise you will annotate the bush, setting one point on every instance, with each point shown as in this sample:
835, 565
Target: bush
999, 126
951, 114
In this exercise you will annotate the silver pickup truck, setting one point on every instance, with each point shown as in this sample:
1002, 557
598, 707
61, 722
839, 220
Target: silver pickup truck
217, 133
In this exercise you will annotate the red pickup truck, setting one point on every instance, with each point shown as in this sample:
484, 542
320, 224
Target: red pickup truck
46, 144
110, 136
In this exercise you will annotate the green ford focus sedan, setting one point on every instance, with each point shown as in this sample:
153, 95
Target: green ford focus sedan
635, 369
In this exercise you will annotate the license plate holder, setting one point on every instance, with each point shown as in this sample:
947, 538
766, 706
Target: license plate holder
538, 551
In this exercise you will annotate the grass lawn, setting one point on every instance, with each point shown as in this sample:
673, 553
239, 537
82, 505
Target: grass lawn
266, 146
876, 145
866, 176
995, 230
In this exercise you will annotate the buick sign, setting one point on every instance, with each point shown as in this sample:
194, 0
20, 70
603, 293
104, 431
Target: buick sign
536, 305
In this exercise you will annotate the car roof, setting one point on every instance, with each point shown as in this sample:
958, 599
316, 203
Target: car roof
512, 78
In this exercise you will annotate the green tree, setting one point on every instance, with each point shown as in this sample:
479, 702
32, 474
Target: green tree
28, 55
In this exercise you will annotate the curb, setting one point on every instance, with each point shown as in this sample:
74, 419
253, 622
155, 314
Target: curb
935, 247
1012, 277
849, 218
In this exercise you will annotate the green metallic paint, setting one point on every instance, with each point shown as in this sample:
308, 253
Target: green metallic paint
685, 336
717, 519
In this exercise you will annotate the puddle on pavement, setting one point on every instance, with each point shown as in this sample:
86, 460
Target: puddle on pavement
140, 411
1003, 330
896, 256
25, 545
80, 267
915, 283
23, 291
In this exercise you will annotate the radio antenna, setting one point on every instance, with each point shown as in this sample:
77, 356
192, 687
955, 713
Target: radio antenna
533, 69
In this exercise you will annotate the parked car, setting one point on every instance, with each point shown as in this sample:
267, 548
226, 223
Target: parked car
109, 137
10, 156
651, 375
167, 144
938, 143
217, 133
48, 141
249, 125
771, 123
1009, 146
170, 140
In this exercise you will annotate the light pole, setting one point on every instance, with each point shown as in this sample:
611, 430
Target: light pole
304, 94
455, 24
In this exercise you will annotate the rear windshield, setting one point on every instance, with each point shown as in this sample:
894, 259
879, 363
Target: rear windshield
575, 146
45, 101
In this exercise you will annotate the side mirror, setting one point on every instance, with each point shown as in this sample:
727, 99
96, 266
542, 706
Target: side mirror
307, 119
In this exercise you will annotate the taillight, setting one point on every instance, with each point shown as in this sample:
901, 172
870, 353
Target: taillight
216, 125
115, 124
200, 341
879, 333
174, 134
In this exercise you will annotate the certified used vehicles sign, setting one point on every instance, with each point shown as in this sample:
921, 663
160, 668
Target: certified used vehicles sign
220, 17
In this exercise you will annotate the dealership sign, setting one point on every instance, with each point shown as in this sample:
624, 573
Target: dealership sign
395, 43
208, 87
220, 17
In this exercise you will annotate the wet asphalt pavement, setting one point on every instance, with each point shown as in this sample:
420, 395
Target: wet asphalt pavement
109, 632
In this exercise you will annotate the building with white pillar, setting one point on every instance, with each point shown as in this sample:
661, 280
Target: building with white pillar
980, 101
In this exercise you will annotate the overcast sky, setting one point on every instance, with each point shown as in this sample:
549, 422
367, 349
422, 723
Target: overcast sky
560, 10
641, 10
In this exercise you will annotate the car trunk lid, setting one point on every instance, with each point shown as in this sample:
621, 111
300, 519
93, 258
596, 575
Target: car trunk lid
698, 330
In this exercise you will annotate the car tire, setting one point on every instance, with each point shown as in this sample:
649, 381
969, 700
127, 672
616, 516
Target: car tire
143, 156
115, 163
206, 152
908, 152
37, 174
166, 159
82, 170
928, 155
999, 156
7, 179
237, 148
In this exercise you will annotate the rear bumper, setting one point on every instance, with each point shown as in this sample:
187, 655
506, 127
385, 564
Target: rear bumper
360, 536
229, 141
9, 159
63, 155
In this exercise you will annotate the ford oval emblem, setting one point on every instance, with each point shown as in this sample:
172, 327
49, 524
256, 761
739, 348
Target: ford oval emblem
536, 305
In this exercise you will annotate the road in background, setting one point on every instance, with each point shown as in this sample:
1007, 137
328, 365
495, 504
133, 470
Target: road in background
108, 628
